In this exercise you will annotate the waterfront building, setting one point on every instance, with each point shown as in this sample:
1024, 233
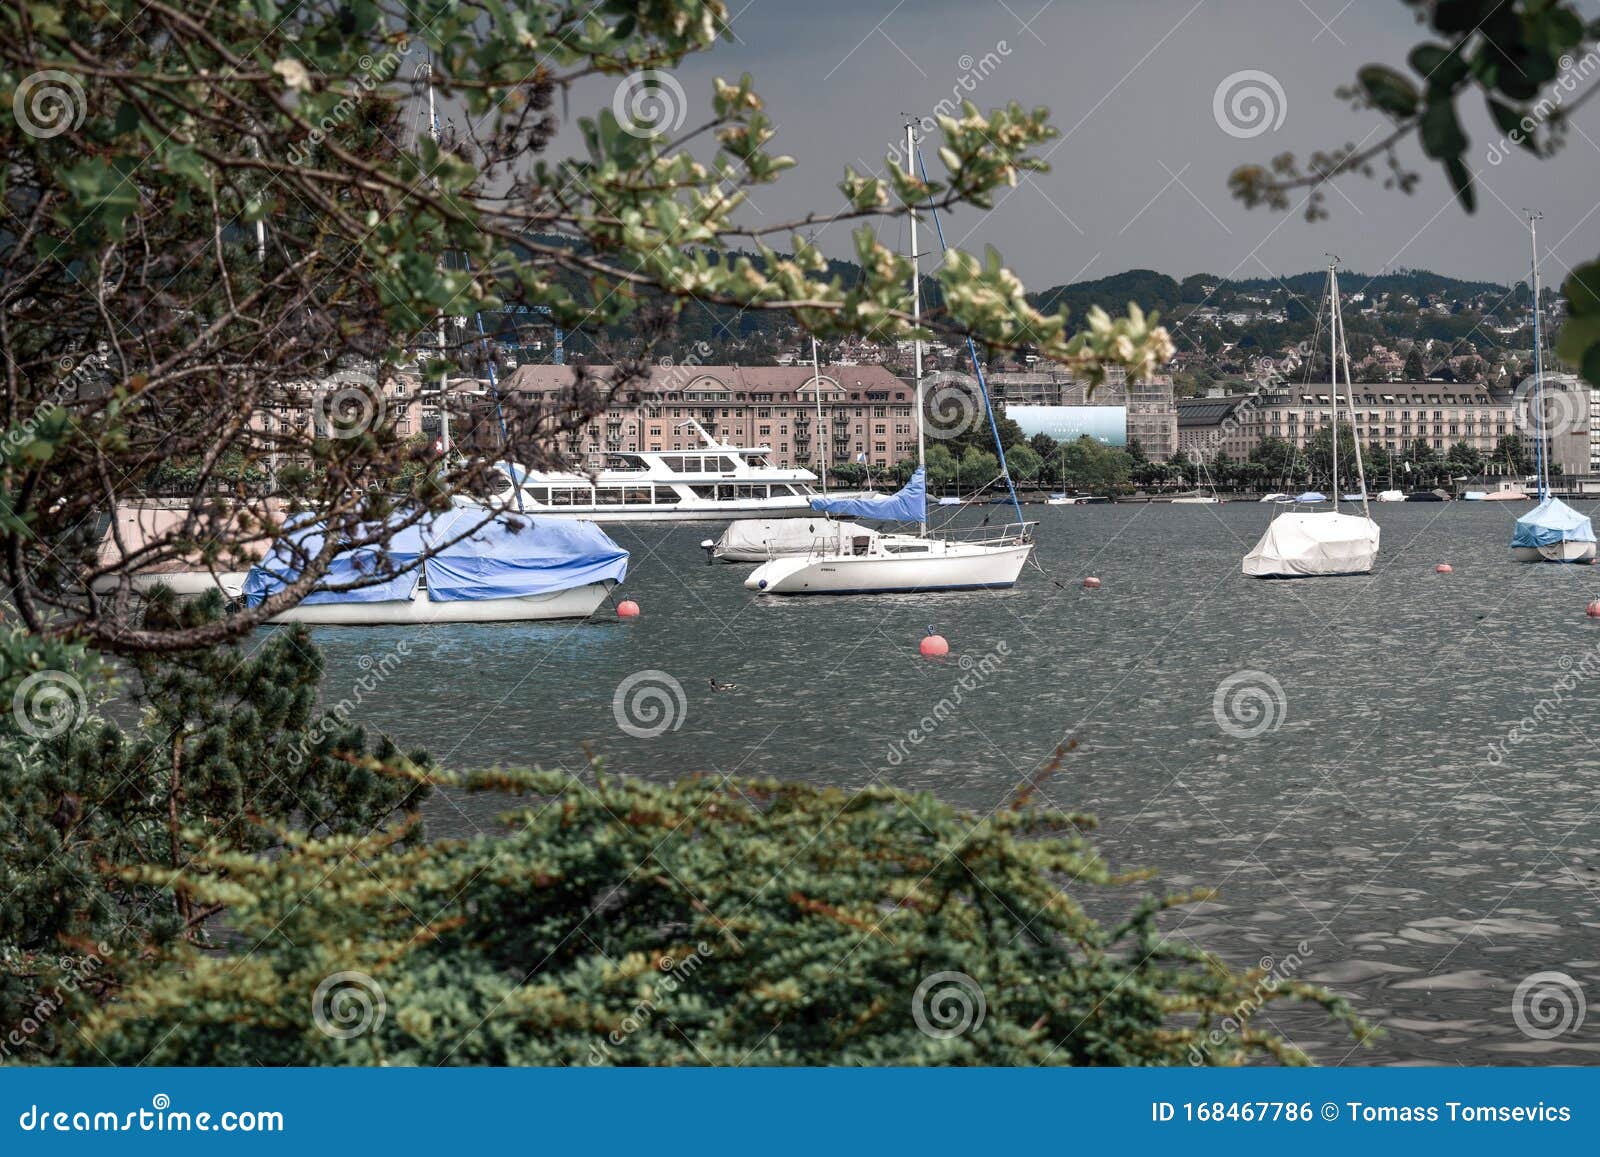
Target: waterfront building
1394, 415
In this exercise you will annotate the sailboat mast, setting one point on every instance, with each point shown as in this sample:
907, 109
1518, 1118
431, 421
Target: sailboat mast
822, 445
916, 315
444, 378
1355, 432
1538, 363
1333, 368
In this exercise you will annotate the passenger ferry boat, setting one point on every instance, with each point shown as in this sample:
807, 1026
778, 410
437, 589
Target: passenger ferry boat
712, 483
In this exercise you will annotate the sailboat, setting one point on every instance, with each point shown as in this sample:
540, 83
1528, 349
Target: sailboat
1309, 543
1551, 531
978, 559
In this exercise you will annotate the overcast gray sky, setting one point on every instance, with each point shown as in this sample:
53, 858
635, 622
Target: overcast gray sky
1139, 178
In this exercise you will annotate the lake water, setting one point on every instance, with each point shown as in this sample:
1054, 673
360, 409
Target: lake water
1332, 754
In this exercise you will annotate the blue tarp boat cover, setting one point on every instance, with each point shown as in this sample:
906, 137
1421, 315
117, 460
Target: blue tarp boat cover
1311, 496
510, 556
908, 505
1552, 522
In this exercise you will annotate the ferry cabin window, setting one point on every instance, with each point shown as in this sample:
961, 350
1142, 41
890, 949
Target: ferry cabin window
704, 491
636, 495
666, 494
608, 495
569, 496
539, 494
728, 464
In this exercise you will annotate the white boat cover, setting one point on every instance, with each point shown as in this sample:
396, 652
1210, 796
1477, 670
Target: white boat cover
758, 539
1314, 543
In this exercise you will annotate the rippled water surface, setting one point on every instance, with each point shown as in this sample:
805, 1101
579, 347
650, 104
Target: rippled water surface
1379, 814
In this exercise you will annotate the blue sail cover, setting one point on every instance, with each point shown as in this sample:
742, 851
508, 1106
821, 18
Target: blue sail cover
508, 557
1552, 522
908, 505
1311, 496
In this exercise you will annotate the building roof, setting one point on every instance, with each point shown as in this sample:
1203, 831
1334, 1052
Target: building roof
1206, 411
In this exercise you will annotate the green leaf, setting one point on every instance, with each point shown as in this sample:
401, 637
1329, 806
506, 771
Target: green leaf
1442, 137
1389, 90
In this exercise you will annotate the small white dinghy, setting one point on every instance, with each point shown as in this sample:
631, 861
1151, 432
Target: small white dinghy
479, 569
764, 539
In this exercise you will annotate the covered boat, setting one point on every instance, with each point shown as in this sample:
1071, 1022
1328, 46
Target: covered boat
761, 539
1301, 544
1553, 532
510, 568
1310, 498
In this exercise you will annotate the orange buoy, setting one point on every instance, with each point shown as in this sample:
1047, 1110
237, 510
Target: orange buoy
1091, 583
1594, 609
1443, 568
934, 646
627, 609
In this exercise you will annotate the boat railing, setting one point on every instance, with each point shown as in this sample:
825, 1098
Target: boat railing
1018, 532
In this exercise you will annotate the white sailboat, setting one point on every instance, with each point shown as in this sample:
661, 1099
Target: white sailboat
1301, 544
984, 558
1551, 531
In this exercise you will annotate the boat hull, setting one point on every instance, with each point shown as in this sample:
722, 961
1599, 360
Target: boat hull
1555, 552
959, 568
186, 584
573, 603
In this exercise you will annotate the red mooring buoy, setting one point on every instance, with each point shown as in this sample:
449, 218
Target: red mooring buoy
934, 646
1594, 609
1091, 583
1443, 568
627, 609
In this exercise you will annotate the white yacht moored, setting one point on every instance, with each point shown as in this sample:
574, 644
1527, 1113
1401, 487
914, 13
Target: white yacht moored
987, 558
1551, 531
1301, 544
983, 558
713, 483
